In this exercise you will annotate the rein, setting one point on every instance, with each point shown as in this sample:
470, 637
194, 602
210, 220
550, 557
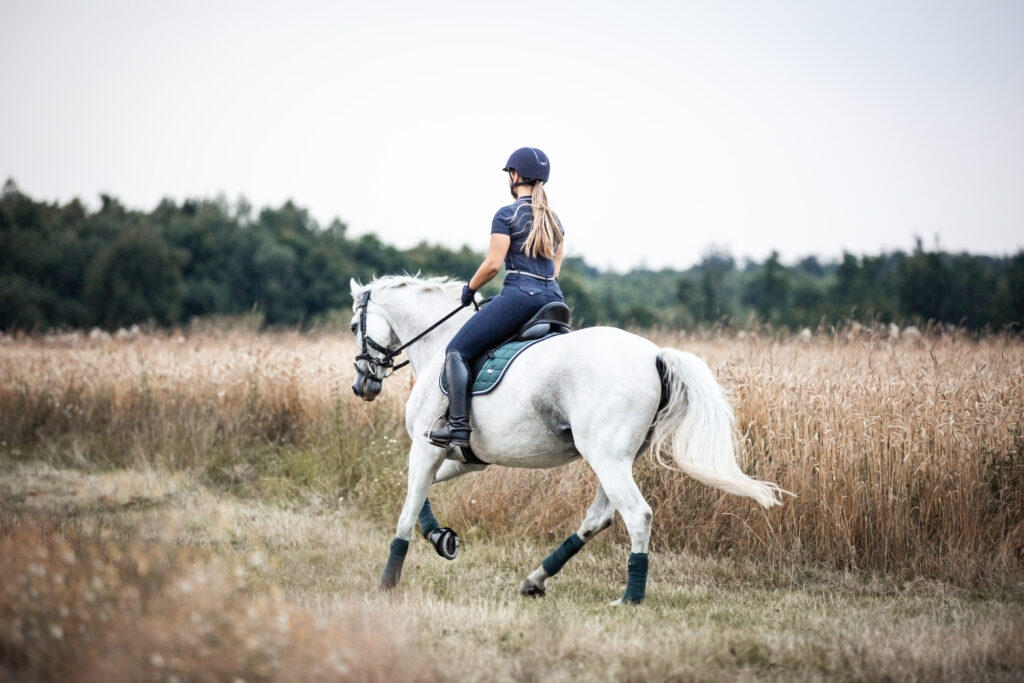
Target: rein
387, 359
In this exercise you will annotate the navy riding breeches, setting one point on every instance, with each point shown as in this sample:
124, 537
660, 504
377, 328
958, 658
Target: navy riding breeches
521, 297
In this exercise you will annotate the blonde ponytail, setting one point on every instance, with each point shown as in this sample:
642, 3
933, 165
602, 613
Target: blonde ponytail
544, 234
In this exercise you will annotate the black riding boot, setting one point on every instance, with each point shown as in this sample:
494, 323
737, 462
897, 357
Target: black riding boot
456, 432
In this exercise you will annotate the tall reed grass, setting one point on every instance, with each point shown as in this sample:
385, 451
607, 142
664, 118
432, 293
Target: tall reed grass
906, 456
266, 414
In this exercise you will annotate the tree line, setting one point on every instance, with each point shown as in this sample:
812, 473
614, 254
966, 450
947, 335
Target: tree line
65, 266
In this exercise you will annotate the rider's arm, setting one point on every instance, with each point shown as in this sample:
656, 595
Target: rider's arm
558, 257
492, 264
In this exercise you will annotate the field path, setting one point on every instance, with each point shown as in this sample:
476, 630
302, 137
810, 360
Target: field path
317, 563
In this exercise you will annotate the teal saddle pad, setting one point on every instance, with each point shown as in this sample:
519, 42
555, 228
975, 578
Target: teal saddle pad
491, 367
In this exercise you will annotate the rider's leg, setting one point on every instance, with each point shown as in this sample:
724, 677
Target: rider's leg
599, 517
456, 431
491, 325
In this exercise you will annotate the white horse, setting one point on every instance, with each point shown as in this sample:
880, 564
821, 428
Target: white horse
591, 394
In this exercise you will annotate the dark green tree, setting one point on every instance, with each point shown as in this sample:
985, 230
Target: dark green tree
585, 309
134, 279
768, 290
924, 285
715, 268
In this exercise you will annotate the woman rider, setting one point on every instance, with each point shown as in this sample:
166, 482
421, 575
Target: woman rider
528, 237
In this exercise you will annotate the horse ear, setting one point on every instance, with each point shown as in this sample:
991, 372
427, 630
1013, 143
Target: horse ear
354, 286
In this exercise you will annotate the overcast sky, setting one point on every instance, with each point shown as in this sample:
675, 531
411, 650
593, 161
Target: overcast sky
806, 127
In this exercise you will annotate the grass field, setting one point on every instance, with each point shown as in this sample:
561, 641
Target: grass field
216, 505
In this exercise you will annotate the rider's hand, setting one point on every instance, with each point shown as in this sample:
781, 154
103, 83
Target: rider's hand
467, 295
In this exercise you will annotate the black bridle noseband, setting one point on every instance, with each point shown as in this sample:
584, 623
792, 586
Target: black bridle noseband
384, 366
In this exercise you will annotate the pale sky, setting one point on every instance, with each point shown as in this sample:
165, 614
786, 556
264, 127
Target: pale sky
806, 127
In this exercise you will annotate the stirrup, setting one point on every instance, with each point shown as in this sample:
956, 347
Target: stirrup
446, 437
438, 438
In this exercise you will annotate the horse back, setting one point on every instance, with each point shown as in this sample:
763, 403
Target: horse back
583, 380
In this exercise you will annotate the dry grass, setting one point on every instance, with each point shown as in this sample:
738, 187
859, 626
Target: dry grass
228, 462
198, 586
82, 604
270, 415
906, 456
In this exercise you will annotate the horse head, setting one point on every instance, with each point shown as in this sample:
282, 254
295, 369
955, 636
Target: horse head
375, 339
389, 314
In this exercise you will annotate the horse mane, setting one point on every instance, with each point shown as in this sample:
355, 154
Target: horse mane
442, 285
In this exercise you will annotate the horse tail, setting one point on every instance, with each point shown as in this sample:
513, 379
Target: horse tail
695, 425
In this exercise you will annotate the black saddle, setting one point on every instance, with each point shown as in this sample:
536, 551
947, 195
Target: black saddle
554, 318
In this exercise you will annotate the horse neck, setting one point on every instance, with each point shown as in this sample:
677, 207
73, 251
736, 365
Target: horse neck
411, 312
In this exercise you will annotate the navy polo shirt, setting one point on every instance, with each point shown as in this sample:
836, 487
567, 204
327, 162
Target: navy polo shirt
515, 220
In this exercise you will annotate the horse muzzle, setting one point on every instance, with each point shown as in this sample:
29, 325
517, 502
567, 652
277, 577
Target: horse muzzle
365, 386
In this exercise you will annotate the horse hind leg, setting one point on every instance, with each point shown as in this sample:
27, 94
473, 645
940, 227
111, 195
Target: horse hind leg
599, 517
617, 480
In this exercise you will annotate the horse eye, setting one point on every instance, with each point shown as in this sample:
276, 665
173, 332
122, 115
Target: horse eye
352, 327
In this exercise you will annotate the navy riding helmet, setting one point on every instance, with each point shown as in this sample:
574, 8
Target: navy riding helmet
530, 163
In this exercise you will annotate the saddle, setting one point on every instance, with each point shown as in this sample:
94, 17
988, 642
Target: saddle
554, 318
487, 370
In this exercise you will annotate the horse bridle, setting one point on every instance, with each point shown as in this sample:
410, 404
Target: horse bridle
385, 363
378, 367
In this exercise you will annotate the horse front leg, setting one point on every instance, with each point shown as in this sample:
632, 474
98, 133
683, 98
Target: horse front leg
599, 517
424, 461
444, 539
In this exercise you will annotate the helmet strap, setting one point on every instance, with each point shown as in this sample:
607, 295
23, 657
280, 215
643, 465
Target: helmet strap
512, 186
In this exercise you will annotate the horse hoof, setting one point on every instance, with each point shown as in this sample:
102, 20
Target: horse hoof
446, 543
531, 590
389, 581
620, 602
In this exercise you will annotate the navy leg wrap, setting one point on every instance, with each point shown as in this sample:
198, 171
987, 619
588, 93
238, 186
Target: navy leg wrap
393, 569
428, 522
553, 563
636, 585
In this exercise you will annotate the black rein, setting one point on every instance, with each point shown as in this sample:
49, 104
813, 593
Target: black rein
387, 359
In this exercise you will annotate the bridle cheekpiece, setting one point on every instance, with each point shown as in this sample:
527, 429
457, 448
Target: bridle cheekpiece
379, 367
383, 366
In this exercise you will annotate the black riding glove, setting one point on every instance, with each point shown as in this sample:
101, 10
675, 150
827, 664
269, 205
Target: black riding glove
467, 295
